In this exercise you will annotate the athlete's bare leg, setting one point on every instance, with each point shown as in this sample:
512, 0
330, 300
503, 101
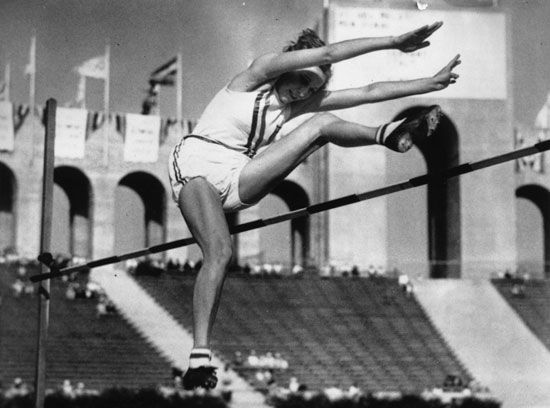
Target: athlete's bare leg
201, 207
273, 164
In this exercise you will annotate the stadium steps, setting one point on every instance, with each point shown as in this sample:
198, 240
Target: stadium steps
490, 338
333, 332
164, 332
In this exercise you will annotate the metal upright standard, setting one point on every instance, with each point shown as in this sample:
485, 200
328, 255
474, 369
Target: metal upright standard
45, 238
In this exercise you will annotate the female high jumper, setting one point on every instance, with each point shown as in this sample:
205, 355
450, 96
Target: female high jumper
236, 154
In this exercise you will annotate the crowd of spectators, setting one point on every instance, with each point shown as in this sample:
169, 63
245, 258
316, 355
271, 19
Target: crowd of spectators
20, 388
76, 287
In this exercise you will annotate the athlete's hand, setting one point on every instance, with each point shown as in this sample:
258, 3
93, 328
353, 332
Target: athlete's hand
416, 39
446, 76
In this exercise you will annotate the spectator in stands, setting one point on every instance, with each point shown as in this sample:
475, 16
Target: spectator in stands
17, 389
253, 360
105, 307
297, 270
280, 362
334, 393
18, 287
293, 384
67, 389
80, 389
238, 359
518, 290
70, 293
353, 391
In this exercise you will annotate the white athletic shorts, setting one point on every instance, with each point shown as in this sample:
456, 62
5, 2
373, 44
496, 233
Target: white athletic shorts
195, 157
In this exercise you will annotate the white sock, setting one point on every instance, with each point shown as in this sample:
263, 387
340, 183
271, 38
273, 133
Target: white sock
385, 130
200, 357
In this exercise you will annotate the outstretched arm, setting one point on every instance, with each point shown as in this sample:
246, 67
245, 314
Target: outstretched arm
272, 65
377, 92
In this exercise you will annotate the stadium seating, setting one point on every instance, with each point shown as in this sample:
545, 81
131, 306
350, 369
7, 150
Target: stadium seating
101, 352
532, 304
333, 332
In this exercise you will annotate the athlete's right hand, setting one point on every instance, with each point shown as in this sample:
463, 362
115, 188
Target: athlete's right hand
446, 76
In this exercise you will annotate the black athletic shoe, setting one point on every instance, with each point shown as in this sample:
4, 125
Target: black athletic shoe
414, 129
201, 377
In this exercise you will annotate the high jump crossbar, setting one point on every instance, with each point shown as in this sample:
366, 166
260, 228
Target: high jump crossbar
313, 209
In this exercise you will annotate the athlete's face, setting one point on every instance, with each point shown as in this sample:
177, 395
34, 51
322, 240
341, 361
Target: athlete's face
300, 84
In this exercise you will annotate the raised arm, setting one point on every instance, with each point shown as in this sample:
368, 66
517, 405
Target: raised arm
377, 92
272, 65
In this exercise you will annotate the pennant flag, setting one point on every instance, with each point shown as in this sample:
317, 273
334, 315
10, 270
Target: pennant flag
94, 68
166, 74
30, 68
5, 84
7, 137
80, 99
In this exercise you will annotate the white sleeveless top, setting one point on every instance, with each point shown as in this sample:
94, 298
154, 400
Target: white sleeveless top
243, 121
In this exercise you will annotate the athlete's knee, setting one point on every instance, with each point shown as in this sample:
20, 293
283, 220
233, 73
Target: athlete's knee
218, 252
322, 122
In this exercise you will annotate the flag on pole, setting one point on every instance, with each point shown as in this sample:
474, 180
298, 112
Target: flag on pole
94, 67
30, 68
5, 84
165, 74
80, 99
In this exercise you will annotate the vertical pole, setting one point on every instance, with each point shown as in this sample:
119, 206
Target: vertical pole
31, 69
325, 158
179, 94
106, 104
45, 238
7, 80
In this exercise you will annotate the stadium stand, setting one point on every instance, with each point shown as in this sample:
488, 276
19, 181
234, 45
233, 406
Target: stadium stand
101, 352
531, 301
333, 332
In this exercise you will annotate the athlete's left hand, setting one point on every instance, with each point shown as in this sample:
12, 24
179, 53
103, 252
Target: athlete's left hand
416, 39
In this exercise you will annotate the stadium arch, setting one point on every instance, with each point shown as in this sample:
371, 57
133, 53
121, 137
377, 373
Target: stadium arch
528, 224
140, 212
294, 197
443, 198
73, 212
8, 199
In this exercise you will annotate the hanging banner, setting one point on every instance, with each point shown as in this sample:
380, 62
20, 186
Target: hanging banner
141, 143
7, 138
70, 132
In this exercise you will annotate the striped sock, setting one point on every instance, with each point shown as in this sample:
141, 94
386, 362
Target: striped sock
200, 357
385, 130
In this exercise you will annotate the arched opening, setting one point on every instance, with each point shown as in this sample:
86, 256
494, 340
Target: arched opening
533, 229
285, 243
440, 152
73, 211
8, 193
140, 212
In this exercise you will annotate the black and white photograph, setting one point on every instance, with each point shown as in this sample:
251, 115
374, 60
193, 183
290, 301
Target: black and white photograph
275, 203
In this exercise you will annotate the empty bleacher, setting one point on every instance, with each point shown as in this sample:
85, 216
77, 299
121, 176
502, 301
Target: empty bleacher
531, 303
333, 332
101, 352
